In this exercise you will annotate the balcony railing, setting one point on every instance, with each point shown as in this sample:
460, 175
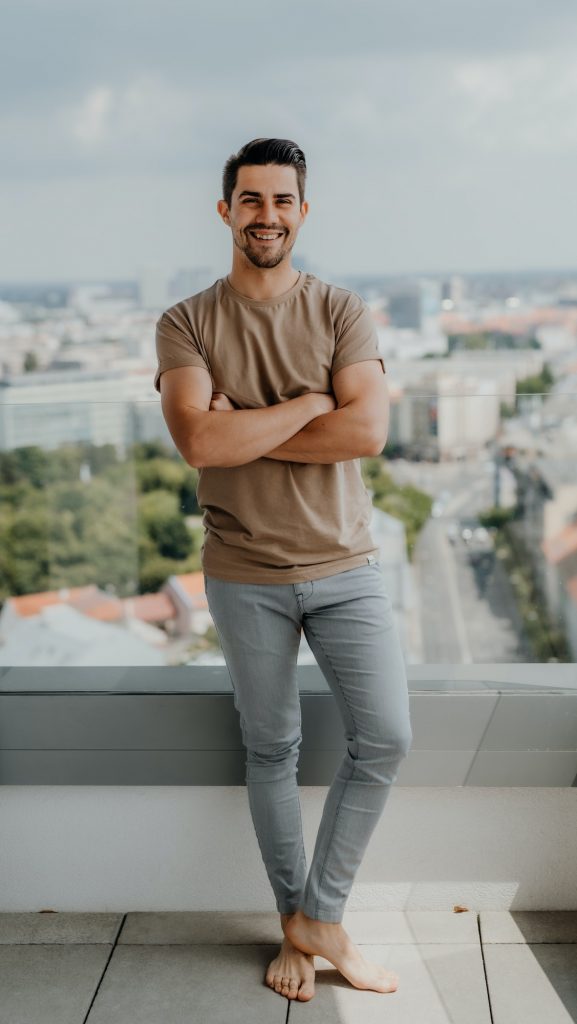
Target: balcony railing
106, 637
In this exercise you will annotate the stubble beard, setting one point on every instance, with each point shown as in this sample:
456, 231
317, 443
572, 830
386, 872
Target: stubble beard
263, 259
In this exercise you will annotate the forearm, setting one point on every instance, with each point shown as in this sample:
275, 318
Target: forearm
335, 436
224, 439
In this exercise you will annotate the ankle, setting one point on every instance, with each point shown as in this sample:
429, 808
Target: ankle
285, 918
334, 926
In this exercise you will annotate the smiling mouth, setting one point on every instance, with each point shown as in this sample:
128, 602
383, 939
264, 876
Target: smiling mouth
266, 236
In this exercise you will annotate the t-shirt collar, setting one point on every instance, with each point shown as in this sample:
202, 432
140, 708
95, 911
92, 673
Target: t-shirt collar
274, 301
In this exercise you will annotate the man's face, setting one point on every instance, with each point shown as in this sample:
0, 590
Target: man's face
265, 201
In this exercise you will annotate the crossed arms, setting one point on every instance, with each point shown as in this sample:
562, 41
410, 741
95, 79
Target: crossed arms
312, 428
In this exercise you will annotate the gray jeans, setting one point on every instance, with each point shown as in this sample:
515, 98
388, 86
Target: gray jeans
349, 625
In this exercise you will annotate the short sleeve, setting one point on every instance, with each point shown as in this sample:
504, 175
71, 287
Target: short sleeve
176, 345
357, 338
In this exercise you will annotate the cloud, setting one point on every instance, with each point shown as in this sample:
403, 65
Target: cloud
422, 123
526, 104
88, 120
145, 112
52, 49
356, 108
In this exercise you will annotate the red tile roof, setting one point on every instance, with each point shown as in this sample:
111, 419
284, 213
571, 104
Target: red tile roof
193, 584
509, 323
32, 604
97, 604
563, 544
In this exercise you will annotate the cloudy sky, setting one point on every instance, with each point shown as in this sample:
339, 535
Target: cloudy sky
440, 135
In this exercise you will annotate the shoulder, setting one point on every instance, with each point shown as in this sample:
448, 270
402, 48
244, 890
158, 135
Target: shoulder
190, 310
341, 301
335, 292
345, 308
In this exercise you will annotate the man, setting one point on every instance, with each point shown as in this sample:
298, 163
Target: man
272, 385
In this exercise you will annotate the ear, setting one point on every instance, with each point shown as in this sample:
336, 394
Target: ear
223, 210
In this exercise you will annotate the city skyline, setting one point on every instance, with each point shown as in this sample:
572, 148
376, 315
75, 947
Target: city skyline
536, 277
435, 137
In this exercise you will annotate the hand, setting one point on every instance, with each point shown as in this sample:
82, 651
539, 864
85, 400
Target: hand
220, 402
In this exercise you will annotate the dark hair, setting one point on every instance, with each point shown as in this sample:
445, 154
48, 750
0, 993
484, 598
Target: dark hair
264, 151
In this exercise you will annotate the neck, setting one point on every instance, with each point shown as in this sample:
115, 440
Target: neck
262, 282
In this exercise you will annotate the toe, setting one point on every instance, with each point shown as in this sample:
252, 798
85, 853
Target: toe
293, 988
306, 991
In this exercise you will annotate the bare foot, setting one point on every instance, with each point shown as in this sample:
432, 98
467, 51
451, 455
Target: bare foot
332, 942
292, 972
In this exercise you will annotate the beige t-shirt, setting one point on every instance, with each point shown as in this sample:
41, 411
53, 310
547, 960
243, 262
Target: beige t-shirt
271, 520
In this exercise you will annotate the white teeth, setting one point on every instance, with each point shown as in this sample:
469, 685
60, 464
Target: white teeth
267, 237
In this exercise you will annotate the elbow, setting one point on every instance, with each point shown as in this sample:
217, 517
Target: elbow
194, 456
199, 454
199, 458
375, 443
379, 431
205, 450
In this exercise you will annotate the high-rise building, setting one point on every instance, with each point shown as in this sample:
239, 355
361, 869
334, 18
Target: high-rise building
453, 292
415, 304
405, 307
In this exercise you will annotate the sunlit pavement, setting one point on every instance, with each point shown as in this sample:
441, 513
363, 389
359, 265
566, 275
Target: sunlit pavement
181, 968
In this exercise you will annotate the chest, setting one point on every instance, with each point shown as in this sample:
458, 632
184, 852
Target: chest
264, 358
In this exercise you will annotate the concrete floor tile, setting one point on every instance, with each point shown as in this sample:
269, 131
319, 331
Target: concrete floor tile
438, 984
532, 984
199, 926
62, 927
49, 984
386, 927
377, 927
188, 984
528, 926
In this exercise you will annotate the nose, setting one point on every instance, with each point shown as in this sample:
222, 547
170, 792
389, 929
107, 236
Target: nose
268, 212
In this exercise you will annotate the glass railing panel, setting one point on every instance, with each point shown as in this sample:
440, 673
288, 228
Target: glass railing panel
474, 515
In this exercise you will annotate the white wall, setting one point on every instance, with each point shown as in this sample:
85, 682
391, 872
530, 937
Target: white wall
105, 848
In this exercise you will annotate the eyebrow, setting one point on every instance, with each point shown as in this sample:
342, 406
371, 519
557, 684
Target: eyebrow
277, 195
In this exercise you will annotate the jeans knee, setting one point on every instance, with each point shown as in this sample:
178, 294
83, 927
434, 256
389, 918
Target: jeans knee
404, 741
392, 745
272, 761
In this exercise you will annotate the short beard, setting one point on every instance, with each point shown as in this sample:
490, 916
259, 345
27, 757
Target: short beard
263, 260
